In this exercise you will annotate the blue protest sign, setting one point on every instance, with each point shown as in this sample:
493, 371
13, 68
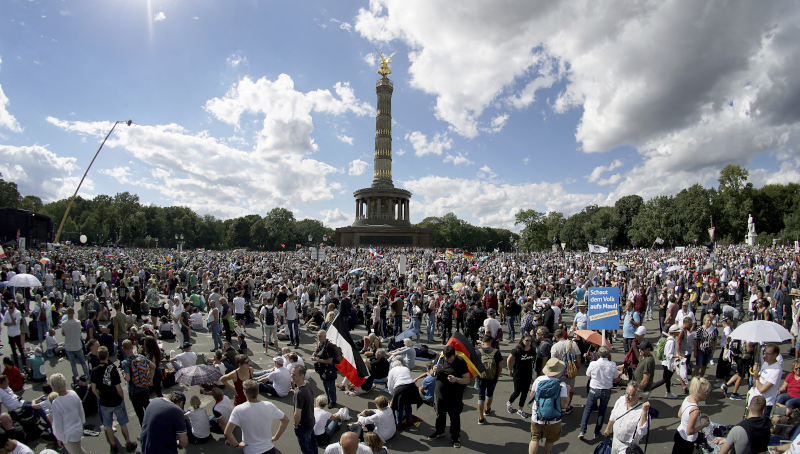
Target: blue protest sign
603, 307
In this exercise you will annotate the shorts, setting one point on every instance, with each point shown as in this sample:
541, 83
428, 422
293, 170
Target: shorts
551, 432
485, 390
270, 332
703, 358
107, 415
239, 317
567, 381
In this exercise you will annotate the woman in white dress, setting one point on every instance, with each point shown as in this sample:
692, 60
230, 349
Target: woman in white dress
629, 419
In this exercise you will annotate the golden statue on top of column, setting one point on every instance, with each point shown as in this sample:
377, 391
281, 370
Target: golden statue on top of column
385, 71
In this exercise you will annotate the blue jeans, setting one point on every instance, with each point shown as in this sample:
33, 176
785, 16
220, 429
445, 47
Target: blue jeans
595, 395
431, 327
792, 403
306, 440
217, 340
398, 324
330, 390
77, 355
510, 321
331, 427
402, 413
267, 388
41, 328
415, 324
294, 332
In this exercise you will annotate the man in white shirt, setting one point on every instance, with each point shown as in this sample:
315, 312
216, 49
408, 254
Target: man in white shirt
491, 325
601, 374
769, 378
348, 444
186, 359
293, 324
256, 418
277, 382
238, 308
11, 321
685, 312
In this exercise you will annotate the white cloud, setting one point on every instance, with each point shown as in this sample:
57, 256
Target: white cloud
422, 147
65, 13
6, 119
121, 174
336, 218
497, 123
235, 60
357, 167
400, 152
689, 85
371, 59
39, 171
160, 16
489, 203
595, 175
486, 172
195, 18
209, 175
458, 159
345, 139
343, 25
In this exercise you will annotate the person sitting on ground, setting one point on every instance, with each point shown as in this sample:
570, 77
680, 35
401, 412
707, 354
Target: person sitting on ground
198, 426
52, 345
328, 321
379, 365
278, 382
789, 392
315, 321
165, 329
196, 319
348, 444
371, 345
325, 423
15, 380
750, 435
406, 354
11, 446
185, 359
221, 412
374, 442
380, 421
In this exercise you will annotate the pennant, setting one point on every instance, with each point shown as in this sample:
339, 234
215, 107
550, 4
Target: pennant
351, 366
465, 351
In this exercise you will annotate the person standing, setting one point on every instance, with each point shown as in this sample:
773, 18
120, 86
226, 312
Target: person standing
487, 383
601, 374
452, 377
323, 356
397, 310
632, 321
549, 396
106, 385
668, 363
214, 326
768, 378
68, 416
290, 312
164, 423
691, 416
560, 350
628, 420
120, 327
71, 329
268, 316
133, 368
647, 366
303, 411
11, 320
523, 358
256, 418
705, 342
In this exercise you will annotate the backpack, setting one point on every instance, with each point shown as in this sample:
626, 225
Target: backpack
548, 400
662, 342
640, 303
140, 375
269, 316
337, 354
571, 367
489, 364
98, 291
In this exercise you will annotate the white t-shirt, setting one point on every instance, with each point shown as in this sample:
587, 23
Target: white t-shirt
794, 449
534, 404
491, 325
12, 330
275, 314
21, 449
336, 448
187, 359
223, 408
321, 417
238, 305
281, 380
196, 320
291, 310
772, 374
256, 421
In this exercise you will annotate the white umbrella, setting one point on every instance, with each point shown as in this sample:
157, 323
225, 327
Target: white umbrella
673, 259
24, 280
761, 331
622, 268
674, 268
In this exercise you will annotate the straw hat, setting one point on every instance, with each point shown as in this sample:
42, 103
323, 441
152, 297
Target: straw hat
553, 368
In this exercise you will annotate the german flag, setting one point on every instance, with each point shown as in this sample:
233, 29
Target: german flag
467, 353
467, 255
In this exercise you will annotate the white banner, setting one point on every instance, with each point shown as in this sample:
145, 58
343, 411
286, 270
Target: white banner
595, 249
401, 261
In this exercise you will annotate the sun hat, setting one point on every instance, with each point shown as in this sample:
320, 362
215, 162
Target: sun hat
553, 368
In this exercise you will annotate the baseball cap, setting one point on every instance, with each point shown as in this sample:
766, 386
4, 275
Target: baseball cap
645, 345
490, 312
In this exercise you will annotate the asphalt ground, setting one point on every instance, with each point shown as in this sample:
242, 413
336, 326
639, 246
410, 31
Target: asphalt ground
504, 431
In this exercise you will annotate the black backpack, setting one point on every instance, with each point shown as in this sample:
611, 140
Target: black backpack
269, 316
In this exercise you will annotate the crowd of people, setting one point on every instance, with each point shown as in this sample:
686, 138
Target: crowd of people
111, 314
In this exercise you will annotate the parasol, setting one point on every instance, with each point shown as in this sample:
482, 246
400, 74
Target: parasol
24, 280
356, 271
458, 286
674, 268
672, 260
473, 267
761, 331
622, 268
593, 338
198, 375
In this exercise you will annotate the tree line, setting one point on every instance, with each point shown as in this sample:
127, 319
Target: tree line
682, 219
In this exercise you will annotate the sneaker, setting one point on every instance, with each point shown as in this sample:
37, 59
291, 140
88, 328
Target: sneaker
582, 436
482, 421
510, 409
456, 444
434, 436
488, 412
670, 396
523, 414
131, 446
735, 396
724, 389
568, 410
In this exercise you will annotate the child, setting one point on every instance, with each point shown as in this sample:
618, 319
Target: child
197, 426
52, 346
44, 400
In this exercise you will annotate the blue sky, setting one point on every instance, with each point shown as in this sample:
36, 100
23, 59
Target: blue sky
243, 106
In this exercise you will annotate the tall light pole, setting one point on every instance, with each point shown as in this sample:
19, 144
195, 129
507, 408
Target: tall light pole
58, 234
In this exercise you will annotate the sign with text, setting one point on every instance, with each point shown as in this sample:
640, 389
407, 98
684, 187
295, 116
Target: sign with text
603, 307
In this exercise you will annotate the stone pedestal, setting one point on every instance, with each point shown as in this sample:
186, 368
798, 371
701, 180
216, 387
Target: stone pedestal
751, 239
